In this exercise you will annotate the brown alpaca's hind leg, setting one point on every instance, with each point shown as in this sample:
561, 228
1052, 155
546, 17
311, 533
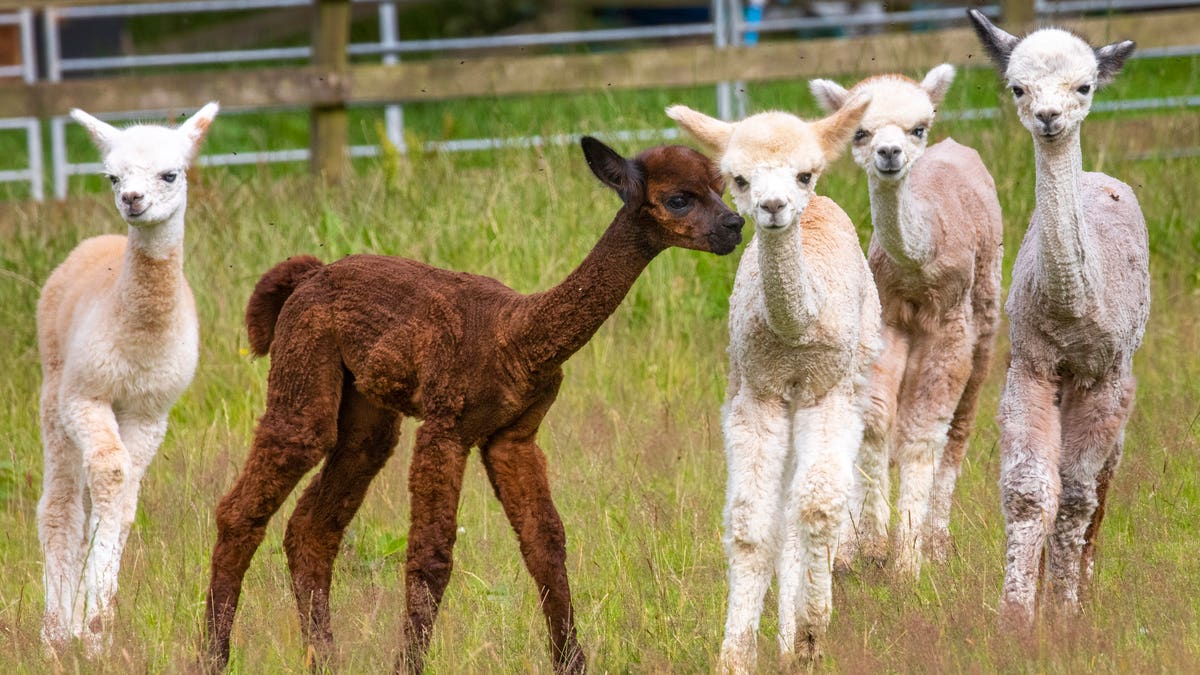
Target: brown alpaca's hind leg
366, 437
434, 483
297, 430
517, 470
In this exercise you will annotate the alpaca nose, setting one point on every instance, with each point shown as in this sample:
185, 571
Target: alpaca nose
733, 222
888, 152
131, 198
772, 206
1047, 116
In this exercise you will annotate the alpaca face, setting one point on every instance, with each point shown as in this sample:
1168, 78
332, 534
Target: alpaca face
1052, 76
675, 193
894, 131
772, 160
1051, 73
147, 164
683, 197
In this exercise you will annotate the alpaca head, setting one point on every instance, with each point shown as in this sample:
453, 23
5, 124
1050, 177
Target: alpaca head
772, 160
147, 164
894, 130
673, 193
1052, 74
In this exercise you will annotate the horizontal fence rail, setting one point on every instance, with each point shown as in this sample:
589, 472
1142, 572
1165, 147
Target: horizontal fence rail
331, 87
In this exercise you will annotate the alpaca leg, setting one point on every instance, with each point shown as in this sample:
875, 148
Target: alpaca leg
92, 427
938, 370
938, 539
790, 561
757, 443
366, 438
142, 436
867, 530
434, 484
826, 440
1093, 426
517, 469
1088, 556
1030, 439
61, 521
297, 430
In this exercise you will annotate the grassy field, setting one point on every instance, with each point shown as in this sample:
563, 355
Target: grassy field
634, 442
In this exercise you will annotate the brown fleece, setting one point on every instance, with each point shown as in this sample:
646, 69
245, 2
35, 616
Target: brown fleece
359, 342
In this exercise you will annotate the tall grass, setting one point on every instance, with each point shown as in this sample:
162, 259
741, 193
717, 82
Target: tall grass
634, 442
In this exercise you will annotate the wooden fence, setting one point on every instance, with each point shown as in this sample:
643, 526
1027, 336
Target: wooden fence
331, 83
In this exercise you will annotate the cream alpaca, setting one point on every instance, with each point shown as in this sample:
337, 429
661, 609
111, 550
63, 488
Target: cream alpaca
935, 251
118, 339
1078, 307
804, 328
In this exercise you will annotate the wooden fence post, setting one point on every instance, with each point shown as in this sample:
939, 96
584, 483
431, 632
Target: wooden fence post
1018, 15
329, 123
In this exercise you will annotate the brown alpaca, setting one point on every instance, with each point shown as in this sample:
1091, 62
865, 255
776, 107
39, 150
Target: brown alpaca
357, 343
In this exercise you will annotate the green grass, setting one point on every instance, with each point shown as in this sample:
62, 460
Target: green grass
633, 444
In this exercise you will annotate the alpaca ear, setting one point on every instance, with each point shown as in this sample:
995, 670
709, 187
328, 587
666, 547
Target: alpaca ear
999, 44
937, 82
711, 132
829, 94
197, 125
835, 131
1110, 59
103, 134
614, 170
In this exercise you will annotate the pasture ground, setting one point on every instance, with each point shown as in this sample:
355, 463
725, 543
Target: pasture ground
633, 444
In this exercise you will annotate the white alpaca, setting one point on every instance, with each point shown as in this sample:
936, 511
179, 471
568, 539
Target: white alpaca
804, 325
118, 339
1078, 307
935, 252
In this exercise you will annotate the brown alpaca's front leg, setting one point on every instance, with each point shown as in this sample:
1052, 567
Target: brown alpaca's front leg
517, 470
434, 484
366, 438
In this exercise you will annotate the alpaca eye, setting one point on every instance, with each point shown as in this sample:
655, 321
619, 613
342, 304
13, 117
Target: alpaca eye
859, 135
1084, 89
169, 177
1018, 92
113, 179
742, 183
804, 178
678, 202
919, 132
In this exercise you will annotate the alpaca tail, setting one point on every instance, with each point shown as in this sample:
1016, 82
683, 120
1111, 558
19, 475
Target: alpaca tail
271, 291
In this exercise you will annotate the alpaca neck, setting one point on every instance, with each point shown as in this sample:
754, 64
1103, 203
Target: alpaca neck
150, 284
561, 320
791, 293
898, 227
1065, 259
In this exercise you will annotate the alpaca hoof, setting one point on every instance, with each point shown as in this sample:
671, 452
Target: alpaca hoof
1016, 619
874, 551
808, 649
938, 546
738, 655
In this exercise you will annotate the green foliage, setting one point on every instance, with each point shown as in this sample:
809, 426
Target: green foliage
633, 444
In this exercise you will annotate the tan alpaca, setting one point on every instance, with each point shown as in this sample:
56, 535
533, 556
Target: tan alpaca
804, 324
1078, 307
118, 339
935, 251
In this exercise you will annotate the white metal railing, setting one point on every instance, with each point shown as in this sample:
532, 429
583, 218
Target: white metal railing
34, 172
728, 26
